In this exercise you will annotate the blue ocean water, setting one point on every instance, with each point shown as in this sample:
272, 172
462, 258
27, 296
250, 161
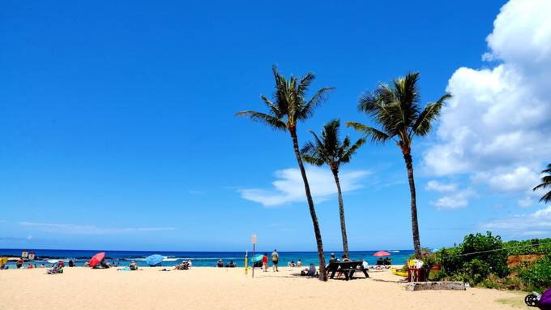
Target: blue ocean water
199, 259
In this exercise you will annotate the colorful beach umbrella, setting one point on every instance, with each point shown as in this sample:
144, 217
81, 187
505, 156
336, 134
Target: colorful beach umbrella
96, 259
257, 258
381, 254
154, 260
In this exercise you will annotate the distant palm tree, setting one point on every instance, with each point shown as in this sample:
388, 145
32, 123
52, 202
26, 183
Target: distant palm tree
288, 107
396, 109
545, 183
330, 151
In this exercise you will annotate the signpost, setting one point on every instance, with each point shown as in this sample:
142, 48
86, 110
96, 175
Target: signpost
246, 262
253, 241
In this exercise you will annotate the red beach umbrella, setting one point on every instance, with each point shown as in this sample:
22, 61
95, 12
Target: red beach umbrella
381, 254
96, 259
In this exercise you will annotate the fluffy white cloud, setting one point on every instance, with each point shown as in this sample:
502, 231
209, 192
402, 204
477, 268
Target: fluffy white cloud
88, 229
497, 127
531, 225
440, 187
453, 198
288, 186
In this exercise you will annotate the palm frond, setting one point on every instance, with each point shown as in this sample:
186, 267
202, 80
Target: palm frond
308, 108
375, 134
267, 119
424, 121
304, 83
310, 154
349, 151
546, 198
274, 108
545, 183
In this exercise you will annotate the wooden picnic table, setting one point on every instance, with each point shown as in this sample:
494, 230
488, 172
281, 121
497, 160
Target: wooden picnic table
346, 268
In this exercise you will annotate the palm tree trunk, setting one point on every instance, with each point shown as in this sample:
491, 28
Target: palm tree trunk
317, 232
414, 223
341, 213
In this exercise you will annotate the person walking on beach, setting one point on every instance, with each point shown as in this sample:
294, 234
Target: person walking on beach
265, 262
275, 260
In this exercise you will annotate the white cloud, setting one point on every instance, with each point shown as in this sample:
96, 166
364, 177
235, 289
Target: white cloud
533, 224
453, 198
288, 186
517, 180
440, 187
88, 229
496, 127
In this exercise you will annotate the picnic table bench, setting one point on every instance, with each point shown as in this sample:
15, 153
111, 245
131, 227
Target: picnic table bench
346, 268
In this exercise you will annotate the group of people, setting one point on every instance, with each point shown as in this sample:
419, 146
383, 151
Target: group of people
275, 261
184, 265
220, 264
293, 264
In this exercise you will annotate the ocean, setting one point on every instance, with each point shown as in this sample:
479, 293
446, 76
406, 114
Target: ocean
199, 259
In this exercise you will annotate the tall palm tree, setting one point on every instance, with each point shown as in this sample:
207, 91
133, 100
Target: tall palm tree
396, 109
288, 107
545, 183
331, 151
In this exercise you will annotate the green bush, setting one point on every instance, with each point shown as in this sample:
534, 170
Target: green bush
474, 260
487, 249
537, 276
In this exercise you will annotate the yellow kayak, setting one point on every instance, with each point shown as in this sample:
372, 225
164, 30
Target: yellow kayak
399, 272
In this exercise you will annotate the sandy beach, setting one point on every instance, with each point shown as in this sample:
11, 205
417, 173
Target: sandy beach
211, 288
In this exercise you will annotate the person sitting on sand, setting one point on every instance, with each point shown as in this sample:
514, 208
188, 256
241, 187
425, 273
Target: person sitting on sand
182, 266
299, 263
133, 265
291, 264
231, 264
71, 263
220, 263
310, 272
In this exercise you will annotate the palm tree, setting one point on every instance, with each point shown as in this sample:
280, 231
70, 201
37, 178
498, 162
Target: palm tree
289, 106
396, 109
545, 183
330, 151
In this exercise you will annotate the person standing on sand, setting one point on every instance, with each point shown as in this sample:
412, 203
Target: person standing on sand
275, 260
265, 262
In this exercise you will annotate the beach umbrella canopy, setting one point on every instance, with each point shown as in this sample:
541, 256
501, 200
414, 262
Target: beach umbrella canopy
96, 259
257, 258
154, 260
381, 254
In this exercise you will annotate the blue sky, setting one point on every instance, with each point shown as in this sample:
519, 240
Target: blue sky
118, 129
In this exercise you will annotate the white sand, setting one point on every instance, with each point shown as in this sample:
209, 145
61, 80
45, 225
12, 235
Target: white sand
210, 288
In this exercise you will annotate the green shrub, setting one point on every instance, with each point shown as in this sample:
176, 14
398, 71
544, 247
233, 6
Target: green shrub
537, 277
487, 249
